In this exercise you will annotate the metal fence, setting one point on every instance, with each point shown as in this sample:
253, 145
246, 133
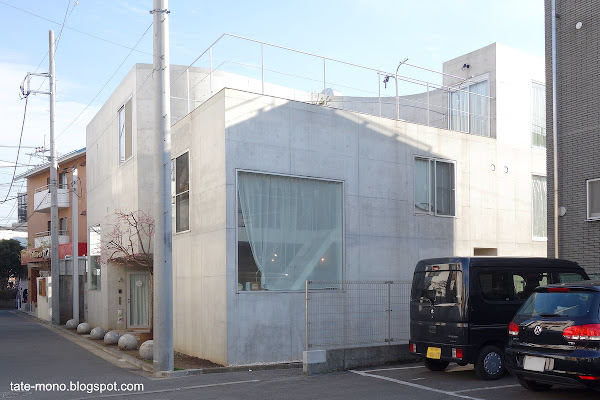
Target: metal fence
341, 314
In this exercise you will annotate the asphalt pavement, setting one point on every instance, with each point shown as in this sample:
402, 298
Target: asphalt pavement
33, 353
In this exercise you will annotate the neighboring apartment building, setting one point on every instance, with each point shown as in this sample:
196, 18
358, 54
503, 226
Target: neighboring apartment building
578, 133
37, 254
271, 191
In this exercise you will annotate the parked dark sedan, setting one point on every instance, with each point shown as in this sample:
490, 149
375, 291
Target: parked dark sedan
555, 337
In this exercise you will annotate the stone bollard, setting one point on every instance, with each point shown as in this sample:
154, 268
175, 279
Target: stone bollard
84, 328
97, 333
71, 324
128, 342
147, 350
111, 337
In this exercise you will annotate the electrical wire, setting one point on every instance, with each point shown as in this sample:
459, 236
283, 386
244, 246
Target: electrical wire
18, 151
107, 82
73, 29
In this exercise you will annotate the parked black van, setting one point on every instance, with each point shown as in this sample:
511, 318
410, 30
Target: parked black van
460, 307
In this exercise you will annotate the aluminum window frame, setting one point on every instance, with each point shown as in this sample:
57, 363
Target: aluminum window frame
533, 83
587, 196
174, 193
121, 145
533, 237
460, 87
433, 199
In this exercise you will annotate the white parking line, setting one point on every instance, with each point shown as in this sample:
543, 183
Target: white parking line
415, 385
486, 388
392, 369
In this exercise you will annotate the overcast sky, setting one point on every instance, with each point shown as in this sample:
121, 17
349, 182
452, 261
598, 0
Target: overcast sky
98, 36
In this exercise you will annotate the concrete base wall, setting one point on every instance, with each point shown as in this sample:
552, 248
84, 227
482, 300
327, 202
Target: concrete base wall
324, 361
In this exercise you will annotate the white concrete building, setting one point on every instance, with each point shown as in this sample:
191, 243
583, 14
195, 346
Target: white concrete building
271, 191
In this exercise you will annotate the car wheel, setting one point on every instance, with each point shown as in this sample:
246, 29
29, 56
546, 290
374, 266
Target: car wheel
490, 363
435, 365
532, 385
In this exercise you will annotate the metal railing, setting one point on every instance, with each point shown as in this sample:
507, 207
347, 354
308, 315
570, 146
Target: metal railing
297, 75
342, 314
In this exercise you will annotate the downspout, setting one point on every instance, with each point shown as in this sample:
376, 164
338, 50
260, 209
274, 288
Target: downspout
554, 130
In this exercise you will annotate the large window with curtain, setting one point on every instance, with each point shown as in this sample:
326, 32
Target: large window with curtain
539, 207
289, 231
434, 187
469, 106
538, 115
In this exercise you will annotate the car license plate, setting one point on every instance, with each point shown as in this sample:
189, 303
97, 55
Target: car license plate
538, 364
434, 352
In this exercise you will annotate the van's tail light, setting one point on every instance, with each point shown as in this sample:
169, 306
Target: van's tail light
559, 289
412, 348
457, 353
589, 378
582, 332
513, 329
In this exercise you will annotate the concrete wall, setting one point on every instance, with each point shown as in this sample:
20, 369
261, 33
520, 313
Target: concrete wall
578, 112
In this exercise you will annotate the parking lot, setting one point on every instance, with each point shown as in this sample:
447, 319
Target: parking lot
461, 382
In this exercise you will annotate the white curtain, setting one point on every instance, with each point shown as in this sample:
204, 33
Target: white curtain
479, 108
139, 299
539, 217
459, 110
538, 115
294, 227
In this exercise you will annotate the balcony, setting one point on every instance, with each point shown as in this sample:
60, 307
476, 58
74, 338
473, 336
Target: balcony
42, 239
42, 202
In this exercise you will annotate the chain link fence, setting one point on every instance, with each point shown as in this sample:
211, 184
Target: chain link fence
343, 314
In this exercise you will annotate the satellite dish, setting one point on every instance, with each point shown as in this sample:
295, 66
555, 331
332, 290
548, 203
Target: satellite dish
331, 92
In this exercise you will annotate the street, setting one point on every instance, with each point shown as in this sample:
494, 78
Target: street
33, 354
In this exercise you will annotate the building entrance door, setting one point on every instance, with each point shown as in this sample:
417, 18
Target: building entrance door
138, 298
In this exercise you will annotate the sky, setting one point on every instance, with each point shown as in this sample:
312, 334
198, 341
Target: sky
101, 41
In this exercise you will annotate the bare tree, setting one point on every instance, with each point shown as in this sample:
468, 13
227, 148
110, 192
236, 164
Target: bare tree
127, 242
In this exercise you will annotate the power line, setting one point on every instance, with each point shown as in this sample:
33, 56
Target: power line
107, 82
73, 29
18, 150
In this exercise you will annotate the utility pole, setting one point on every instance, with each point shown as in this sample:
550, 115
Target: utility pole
163, 260
75, 242
54, 267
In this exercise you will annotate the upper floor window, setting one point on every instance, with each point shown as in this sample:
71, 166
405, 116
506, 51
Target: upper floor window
538, 115
125, 132
22, 207
63, 180
539, 222
470, 108
435, 187
181, 191
62, 226
93, 264
593, 198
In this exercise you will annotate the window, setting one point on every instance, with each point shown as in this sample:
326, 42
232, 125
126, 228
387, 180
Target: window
93, 267
125, 132
525, 282
437, 287
22, 207
289, 231
62, 226
470, 108
569, 277
434, 187
539, 221
494, 286
593, 199
62, 180
180, 189
538, 115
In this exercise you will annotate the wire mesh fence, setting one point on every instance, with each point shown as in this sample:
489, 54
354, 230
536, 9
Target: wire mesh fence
341, 314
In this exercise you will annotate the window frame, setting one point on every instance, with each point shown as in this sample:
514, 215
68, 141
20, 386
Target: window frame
121, 140
433, 180
98, 285
588, 199
533, 83
465, 89
174, 193
533, 236
237, 221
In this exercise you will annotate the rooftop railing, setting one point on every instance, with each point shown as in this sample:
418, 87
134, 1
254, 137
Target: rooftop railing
283, 72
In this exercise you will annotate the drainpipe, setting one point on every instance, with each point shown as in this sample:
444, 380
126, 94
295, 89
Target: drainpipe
554, 130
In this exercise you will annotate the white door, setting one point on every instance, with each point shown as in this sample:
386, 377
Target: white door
139, 300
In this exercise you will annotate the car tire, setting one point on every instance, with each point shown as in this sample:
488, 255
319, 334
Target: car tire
533, 385
490, 363
435, 365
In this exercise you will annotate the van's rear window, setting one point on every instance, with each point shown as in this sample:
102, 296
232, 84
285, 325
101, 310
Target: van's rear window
560, 304
437, 286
